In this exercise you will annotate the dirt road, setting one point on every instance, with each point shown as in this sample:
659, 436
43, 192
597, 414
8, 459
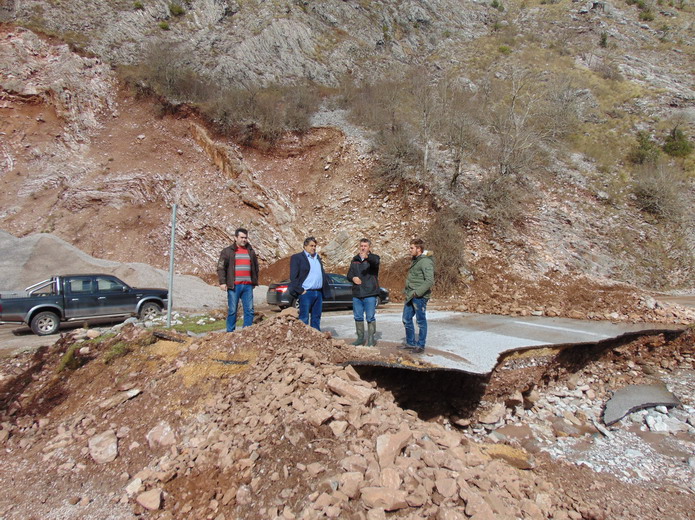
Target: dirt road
15, 339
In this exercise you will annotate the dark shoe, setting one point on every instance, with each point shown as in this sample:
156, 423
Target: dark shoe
406, 346
417, 350
371, 330
359, 328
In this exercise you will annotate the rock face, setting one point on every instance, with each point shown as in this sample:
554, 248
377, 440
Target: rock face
78, 145
270, 42
79, 89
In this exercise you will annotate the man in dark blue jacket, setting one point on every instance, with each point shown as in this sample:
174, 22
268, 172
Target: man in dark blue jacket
309, 283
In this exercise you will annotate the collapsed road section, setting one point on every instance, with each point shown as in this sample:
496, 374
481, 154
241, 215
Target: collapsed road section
475, 343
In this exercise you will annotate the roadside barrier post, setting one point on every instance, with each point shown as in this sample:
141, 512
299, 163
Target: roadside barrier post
171, 265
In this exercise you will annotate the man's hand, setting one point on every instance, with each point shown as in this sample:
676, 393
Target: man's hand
223, 286
356, 280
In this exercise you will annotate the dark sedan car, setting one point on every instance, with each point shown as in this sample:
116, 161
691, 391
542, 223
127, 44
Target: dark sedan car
341, 294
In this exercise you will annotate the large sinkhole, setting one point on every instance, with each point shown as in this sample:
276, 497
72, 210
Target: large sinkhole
461, 397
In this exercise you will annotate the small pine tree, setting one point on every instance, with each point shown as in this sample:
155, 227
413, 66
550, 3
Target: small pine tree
676, 144
645, 151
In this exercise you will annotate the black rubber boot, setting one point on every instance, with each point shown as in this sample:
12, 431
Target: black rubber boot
359, 327
371, 330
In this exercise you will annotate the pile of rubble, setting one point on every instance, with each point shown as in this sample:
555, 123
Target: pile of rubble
258, 424
565, 417
264, 423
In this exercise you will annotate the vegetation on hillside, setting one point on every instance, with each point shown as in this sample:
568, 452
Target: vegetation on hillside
487, 122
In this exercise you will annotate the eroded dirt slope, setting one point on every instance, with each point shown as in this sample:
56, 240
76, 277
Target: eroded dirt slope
88, 161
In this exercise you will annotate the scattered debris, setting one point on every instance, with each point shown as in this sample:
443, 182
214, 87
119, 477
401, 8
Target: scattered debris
637, 397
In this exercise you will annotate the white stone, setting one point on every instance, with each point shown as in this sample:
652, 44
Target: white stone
103, 448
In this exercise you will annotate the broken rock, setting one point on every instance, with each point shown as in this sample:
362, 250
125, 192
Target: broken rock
103, 448
358, 394
151, 499
161, 435
384, 498
389, 446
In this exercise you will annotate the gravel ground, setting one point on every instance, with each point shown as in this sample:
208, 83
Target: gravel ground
24, 261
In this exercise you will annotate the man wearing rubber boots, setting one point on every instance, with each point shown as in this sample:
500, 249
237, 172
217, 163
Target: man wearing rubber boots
364, 275
418, 287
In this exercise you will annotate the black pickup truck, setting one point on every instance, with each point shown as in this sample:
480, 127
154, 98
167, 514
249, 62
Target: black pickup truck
78, 297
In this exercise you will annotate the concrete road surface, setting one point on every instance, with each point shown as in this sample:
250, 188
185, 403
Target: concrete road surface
474, 342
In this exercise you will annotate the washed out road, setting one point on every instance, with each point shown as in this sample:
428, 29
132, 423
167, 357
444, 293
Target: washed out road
473, 343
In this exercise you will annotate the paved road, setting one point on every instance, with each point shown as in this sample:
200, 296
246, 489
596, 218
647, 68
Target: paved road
473, 342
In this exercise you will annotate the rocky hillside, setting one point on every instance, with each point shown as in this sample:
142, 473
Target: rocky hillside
87, 159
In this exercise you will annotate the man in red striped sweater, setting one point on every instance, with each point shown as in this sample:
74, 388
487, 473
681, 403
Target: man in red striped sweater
237, 271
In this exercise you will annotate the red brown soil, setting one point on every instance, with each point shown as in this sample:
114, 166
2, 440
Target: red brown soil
247, 439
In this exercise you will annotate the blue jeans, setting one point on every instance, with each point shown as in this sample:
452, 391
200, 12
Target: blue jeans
311, 302
243, 292
362, 306
415, 307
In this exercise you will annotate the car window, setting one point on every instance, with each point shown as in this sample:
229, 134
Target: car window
106, 284
80, 285
338, 278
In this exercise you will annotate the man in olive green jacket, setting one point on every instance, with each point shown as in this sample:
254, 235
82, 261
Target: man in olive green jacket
418, 287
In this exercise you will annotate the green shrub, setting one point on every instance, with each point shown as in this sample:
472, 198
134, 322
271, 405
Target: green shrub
496, 4
138, 5
68, 359
164, 26
645, 150
504, 49
646, 15
676, 144
176, 9
603, 41
117, 350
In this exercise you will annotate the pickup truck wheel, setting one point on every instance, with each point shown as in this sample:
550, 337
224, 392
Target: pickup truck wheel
45, 323
149, 311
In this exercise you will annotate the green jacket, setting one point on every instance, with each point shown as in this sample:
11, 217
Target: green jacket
418, 283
